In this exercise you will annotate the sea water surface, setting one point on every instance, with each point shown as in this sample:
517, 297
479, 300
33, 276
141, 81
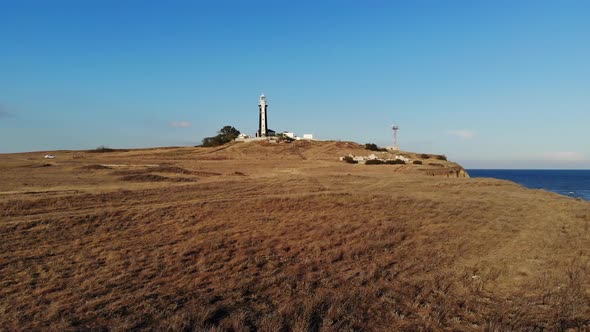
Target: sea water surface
574, 183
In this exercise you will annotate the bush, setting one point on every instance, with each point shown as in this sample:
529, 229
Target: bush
350, 160
373, 147
105, 149
284, 138
425, 156
224, 135
441, 157
395, 162
417, 162
374, 162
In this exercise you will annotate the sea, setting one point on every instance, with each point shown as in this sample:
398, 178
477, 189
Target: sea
573, 183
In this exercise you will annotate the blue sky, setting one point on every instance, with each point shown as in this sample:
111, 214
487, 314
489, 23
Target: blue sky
499, 84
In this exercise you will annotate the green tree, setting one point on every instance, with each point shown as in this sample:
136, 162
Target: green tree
229, 131
224, 135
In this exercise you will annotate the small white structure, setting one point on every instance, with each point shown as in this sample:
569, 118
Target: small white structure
247, 139
49, 156
308, 136
382, 158
290, 135
405, 159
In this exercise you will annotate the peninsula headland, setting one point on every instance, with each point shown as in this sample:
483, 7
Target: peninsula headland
282, 236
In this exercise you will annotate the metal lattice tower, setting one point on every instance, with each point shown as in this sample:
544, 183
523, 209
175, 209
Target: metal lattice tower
395, 129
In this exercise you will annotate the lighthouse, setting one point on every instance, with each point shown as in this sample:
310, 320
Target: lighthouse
263, 119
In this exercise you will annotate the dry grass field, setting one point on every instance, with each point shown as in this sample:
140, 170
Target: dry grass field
282, 237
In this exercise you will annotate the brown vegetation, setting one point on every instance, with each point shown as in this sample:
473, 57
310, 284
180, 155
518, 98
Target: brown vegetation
153, 178
303, 243
95, 167
104, 149
157, 169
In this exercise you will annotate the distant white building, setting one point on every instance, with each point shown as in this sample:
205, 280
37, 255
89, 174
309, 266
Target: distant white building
265, 133
405, 159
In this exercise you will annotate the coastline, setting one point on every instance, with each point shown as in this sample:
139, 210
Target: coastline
574, 183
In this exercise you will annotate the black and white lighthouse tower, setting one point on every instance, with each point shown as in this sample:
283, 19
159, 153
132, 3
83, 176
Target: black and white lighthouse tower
263, 119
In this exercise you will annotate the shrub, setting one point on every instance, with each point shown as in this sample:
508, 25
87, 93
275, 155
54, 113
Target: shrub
374, 162
441, 157
94, 167
417, 162
395, 162
224, 135
350, 160
284, 138
373, 147
105, 149
425, 156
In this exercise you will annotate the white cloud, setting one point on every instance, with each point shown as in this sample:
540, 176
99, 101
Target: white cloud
180, 124
564, 156
462, 134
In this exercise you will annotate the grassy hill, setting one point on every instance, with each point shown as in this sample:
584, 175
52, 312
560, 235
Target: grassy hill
269, 237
